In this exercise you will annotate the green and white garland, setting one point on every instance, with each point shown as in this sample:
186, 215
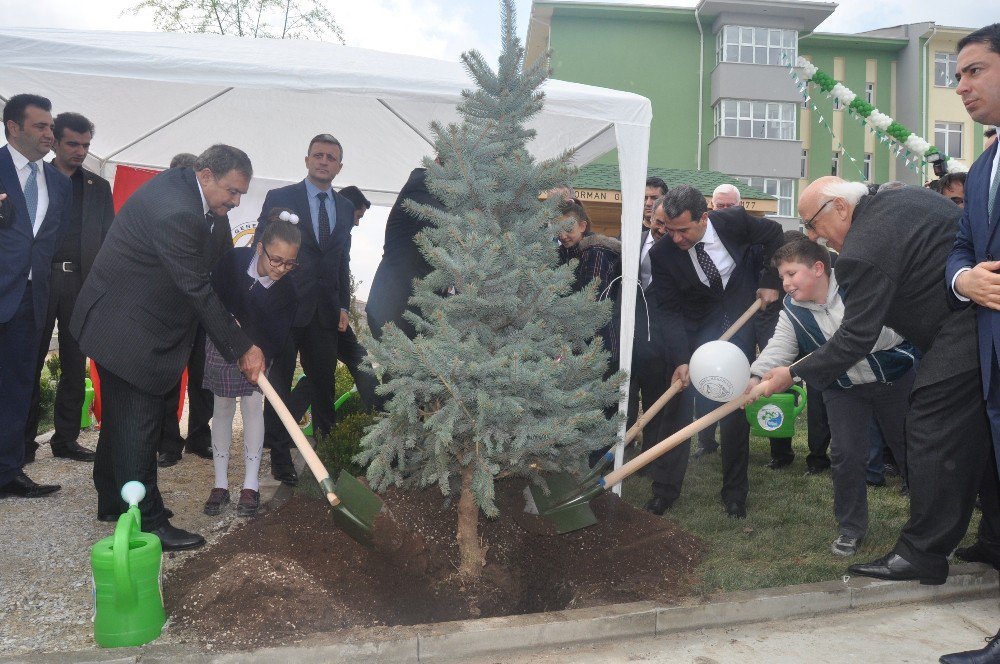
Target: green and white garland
880, 123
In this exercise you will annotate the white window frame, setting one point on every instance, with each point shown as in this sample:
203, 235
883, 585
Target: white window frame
870, 92
945, 65
836, 104
781, 188
835, 164
804, 165
754, 118
948, 138
867, 167
755, 46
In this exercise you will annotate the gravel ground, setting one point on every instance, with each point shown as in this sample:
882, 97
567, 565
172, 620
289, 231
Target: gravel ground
46, 599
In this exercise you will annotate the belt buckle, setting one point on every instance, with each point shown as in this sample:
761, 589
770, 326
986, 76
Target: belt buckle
63, 265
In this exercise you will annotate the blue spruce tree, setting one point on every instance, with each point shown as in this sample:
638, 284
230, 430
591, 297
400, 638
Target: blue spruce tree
505, 376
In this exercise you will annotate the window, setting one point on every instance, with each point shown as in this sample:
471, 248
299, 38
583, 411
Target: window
868, 167
804, 164
756, 46
948, 138
835, 165
755, 119
836, 103
781, 188
944, 70
870, 93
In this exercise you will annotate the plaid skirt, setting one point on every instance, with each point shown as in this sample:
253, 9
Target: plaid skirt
224, 378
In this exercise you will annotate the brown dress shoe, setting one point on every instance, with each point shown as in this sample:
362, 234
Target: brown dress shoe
249, 503
218, 499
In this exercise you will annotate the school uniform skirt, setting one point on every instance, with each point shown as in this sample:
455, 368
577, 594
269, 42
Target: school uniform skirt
224, 378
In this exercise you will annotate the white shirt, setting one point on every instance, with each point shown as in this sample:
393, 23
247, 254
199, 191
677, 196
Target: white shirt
266, 281
21, 166
645, 268
993, 175
717, 252
204, 203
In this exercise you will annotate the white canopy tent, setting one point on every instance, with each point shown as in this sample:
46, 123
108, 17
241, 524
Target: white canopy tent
152, 95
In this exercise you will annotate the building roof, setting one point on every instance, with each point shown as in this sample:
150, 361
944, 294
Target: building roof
605, 176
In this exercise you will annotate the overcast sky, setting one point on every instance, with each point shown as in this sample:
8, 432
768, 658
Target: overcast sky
445, 28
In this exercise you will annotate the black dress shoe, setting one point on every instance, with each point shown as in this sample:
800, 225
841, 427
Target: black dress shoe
978, 553
775, 464
167, 459
736, 510
894, 567
988, 655
202, 451
110, 518
176, 539
658, 505
285, 473
23, 487
73, 450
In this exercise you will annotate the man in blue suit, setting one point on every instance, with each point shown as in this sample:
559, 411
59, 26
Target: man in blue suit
322, 284
975, 260
32, 226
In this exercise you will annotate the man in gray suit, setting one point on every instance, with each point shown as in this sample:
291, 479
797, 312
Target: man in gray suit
137, 314
893, 247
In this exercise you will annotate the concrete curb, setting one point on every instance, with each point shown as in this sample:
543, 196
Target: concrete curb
470, 638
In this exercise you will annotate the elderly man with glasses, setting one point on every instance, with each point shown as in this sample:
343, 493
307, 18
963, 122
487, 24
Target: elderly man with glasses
893, 248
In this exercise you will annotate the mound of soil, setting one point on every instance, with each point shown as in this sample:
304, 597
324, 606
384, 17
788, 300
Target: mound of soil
291, 572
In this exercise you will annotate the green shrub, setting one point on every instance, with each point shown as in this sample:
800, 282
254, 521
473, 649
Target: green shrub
337, 450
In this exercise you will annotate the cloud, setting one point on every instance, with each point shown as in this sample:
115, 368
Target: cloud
433, 29
860, 15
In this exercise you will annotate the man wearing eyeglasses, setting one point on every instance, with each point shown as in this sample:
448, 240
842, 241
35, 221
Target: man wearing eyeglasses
137, 314
322, 283
893, 246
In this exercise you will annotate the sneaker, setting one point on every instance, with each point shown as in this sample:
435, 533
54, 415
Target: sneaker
249, 503
845, 546
218, 499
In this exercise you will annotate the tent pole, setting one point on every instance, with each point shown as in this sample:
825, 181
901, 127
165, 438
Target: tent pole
593, 137
406, 122
163, 125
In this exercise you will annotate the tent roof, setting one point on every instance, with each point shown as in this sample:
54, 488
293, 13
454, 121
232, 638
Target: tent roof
152, 95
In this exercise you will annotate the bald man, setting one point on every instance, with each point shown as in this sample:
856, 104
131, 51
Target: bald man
893, 248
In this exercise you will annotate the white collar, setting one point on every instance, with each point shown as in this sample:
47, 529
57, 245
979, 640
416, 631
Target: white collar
710, 236
265, 281
201, 192
20, 161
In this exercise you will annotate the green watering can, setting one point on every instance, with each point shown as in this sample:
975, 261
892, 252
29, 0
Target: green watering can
774, 416
88, 401
128, 598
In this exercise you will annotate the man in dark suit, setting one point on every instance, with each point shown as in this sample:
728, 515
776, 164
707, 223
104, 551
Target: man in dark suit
201, 402
972, 276
892, 249
136, 317
705, 275
322, 283
33, 223
92, 211
402, 261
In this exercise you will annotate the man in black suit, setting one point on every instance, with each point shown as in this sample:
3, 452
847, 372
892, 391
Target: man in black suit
322, 283
893, 249
34, 220
402, 261
706, 275
201, 402
92, 211
136, 317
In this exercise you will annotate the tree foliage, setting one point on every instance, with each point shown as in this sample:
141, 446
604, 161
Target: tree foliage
505, 376
276, 19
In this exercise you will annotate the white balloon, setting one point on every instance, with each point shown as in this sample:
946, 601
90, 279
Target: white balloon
719, 370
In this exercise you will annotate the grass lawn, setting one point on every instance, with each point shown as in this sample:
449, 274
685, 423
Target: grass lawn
786, 536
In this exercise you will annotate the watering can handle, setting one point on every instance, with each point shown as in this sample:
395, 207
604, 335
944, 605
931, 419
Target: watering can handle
800, 403
125, 592
684, 434
315, 465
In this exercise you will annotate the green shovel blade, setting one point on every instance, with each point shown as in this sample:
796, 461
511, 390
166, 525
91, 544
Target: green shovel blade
358, 508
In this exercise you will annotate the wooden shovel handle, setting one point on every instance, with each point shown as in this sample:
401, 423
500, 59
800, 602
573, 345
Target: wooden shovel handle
684, 434
651, 412
747, 315
315, 465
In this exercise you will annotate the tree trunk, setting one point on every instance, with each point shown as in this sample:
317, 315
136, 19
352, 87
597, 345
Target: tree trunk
470, 551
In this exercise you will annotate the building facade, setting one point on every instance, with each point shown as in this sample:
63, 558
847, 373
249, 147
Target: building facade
723, 100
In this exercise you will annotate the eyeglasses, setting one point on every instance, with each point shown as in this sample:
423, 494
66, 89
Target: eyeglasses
724, 206
809, 224
279, 262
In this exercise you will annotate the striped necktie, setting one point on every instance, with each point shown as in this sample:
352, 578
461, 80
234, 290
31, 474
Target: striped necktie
31, 192
994, 188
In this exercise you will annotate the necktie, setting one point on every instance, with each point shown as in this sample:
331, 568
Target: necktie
994, 188
31, 192
210, 218
324, 221
645, 267
712, 272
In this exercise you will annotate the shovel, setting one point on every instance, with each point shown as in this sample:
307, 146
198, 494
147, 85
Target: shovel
573, 512
355, 506
563, 485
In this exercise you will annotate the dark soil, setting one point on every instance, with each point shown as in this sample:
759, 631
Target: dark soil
291, 573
